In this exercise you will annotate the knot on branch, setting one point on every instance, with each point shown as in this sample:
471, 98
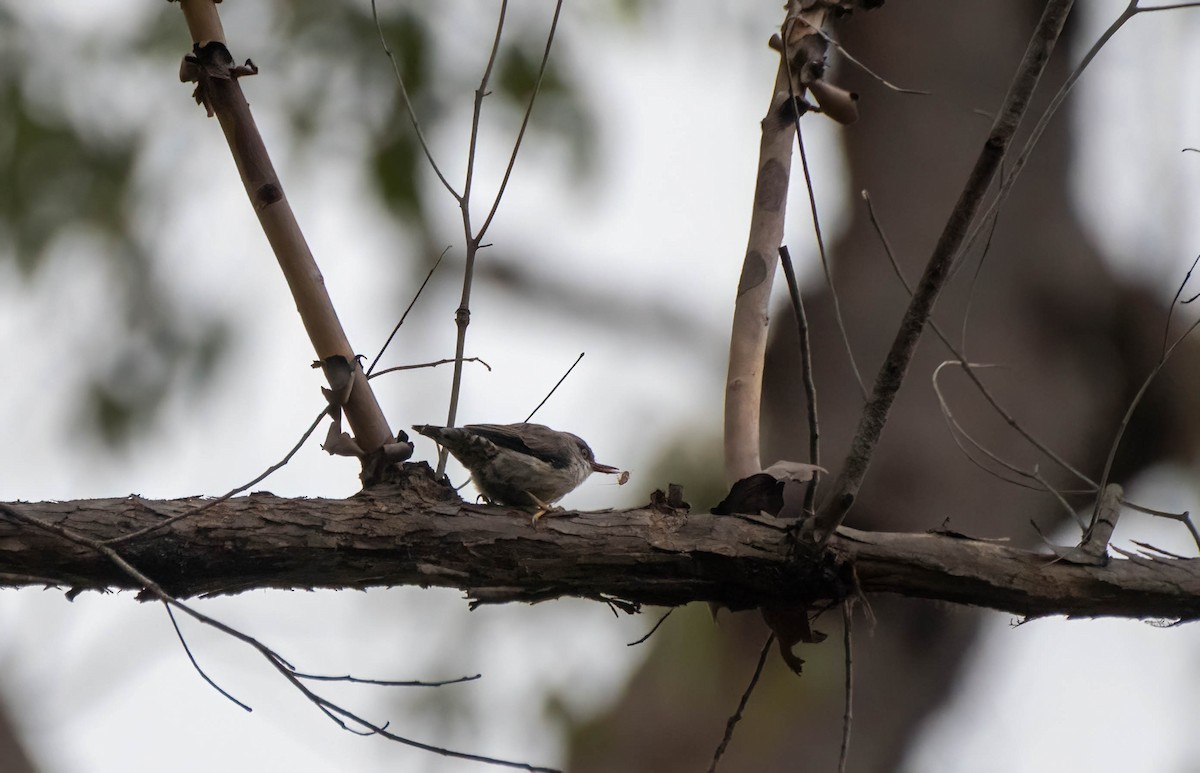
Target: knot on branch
211, 61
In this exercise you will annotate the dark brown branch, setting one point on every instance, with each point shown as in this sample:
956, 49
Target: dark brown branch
424, 535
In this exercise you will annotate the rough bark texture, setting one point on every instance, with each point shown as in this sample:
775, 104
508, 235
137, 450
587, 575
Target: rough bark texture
422, 534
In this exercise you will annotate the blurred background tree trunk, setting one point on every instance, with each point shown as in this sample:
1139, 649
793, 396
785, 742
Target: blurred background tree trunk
1075, 344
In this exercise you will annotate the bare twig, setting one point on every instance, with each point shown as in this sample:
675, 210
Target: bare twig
1131, 10
850, 58
408, 106
1133, 404
650, 633
407, 309
961, 359
384, 682
737, 714
537, 87
833, 295
335, 712
816, 221
188, 651
848, 716
892, 374
554, 388
806, 374
228, 494
1174, 301
462, 316
474, 240
430, 364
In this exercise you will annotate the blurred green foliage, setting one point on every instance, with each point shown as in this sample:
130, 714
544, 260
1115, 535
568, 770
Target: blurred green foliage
65, 171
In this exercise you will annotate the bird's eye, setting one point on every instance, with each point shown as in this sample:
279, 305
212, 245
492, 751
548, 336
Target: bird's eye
586, 451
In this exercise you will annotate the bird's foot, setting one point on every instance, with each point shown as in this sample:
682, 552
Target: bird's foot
542, 508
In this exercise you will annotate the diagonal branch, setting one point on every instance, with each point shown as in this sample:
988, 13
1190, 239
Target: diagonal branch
211, 67
891, 375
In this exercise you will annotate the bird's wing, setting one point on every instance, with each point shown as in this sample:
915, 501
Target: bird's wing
546, 445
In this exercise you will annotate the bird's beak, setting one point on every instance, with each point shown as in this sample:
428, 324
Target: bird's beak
597, 467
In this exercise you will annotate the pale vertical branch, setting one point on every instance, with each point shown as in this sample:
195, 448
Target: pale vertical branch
892, 374
219, 89
748, 338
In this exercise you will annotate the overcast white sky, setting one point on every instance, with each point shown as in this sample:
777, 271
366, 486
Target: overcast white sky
100, 684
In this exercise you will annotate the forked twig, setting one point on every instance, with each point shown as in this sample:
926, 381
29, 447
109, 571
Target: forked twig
1131, 10
966, 369
335, 712
188, 651
474, 240
895, 366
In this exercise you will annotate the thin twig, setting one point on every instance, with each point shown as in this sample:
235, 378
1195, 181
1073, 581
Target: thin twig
384, 682
650, 633
228, 494
554, 388
537, 87
892, 374
474, 240
848, 716
958, 356
816, 220
408, 106
1171, 309
188, 651
806, 374
850, 58
330, 709
737, 714
430, 364
462, 316
411, 303
1043, 121
1133, 404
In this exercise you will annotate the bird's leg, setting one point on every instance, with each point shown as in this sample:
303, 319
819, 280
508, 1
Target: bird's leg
542, 508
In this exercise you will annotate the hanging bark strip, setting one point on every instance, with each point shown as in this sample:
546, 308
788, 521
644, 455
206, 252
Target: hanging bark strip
212, 68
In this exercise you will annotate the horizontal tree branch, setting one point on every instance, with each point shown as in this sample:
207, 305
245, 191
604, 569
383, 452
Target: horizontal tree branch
421, 533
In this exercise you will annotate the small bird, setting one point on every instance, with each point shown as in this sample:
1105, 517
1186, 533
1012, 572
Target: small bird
521, 465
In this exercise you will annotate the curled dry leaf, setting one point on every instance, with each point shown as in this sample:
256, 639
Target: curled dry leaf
799, 472
791, 627
338, 443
